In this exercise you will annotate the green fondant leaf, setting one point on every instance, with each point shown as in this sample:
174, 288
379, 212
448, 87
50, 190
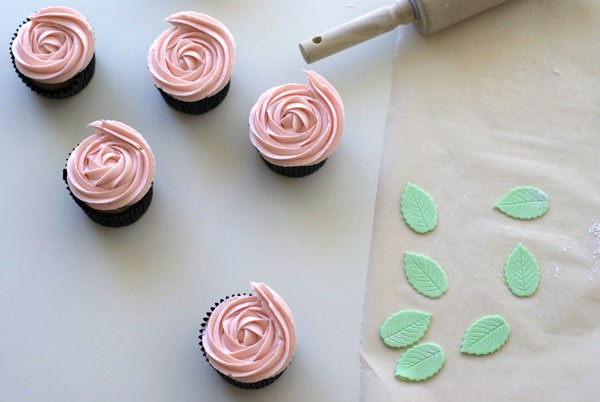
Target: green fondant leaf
521, 272
485, 336
425, 275
418, 209
524, 203
404, 328
420, 362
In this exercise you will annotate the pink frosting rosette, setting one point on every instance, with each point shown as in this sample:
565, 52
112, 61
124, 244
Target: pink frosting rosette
251, 338
298, 125
194, 59
54, 46
111, 169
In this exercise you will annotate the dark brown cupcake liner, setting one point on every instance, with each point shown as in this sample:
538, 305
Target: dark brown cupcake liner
244, 385
198, 107
114, 219
293, 171
56, 91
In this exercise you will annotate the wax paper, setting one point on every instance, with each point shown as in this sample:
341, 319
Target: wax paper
508, 98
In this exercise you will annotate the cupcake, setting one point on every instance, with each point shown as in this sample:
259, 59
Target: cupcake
53, 52
192, 62
296, 127
110, 174
249, 339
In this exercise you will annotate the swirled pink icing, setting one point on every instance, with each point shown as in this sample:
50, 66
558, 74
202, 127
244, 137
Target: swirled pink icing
251, 338
298, 125
55, 45
111, 169
194, 59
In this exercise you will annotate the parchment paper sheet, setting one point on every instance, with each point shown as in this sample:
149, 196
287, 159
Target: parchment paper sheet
509, 98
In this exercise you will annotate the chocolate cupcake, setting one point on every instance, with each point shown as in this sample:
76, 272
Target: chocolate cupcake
53, 52
296, 127
249, 339
191, 64
110, 174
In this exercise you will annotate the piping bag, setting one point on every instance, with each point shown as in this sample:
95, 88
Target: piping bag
430, 16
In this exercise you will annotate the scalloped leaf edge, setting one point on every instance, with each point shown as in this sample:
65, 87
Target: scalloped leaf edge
507, 212
407, 219
462, 346
510, 283
423, 317
411, 282
422, 345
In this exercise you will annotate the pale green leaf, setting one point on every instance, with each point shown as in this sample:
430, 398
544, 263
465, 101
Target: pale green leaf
420, 362
485, 336
524, 203
404, 328
425, 275
521, 272
418, 209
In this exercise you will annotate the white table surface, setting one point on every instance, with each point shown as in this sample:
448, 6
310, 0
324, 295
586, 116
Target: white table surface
89, 313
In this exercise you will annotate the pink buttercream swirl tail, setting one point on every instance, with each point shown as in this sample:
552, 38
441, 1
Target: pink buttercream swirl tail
298, 125
111, 169
250, 338
54, 46
194, 59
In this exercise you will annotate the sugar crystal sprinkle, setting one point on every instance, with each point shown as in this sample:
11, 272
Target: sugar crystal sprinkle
594, 231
